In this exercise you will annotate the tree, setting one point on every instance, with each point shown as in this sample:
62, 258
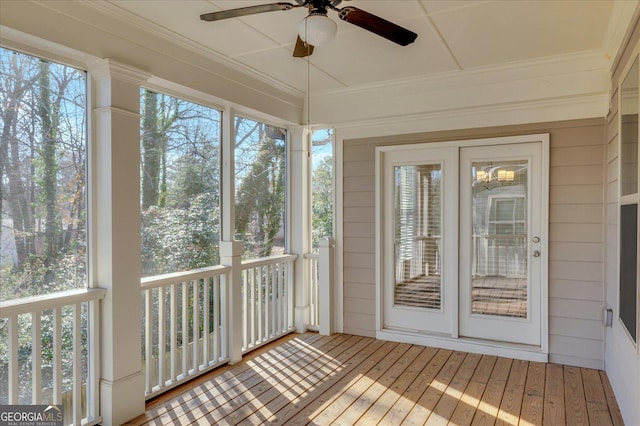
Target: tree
180, 184
42, 164
150, 151
322, 200
42, 187
18, 80
260, 185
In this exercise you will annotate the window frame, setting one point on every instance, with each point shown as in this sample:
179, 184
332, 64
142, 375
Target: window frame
627, 199
186, 95
230, 145
54, 53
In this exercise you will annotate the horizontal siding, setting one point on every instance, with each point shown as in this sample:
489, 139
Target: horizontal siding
359, 305
359, 214
358, 230
576, 213
612, 214
359, 324
365, 275
587, 252
576, 175
359, 239
568, 327
576, 156
576, 194
612, 192
360, 184
360, 245
576, 309
356, 290
577, 346
361, 199
577, 271
360, 168
576, 238
570, 290
575, 232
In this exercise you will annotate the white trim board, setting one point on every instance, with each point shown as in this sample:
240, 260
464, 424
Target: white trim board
476, 346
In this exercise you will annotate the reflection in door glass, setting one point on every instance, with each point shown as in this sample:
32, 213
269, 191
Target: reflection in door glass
499, 266
418, 256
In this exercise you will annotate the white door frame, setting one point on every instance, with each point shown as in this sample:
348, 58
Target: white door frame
453, 341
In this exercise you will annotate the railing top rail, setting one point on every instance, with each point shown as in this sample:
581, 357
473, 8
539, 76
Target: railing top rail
263, 261
48, 301
156, 281
312, 255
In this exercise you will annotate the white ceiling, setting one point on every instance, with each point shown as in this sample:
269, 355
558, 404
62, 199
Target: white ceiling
454, 36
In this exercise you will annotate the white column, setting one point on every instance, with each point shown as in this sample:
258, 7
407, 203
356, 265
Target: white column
299, 223
231, 255
115, 235
231, 250
325, 284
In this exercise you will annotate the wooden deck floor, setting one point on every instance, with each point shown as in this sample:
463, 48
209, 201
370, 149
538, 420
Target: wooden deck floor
347, 380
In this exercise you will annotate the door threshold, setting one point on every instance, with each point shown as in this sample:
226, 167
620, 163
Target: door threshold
466, 344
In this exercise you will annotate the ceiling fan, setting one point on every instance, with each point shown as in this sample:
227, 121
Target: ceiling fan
317, 28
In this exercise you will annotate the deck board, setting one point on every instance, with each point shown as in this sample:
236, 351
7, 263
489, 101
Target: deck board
513, 393
345, 380
470, 399
533, 400
554, 396
575, 406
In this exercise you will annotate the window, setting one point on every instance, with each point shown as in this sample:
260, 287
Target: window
43, 246
260, 182
628, 291
180, 184
321, 186
43, 211
418, 217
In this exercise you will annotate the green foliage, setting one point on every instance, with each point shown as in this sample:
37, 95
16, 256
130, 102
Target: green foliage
180, 169
180, 238
42, 161
322, 200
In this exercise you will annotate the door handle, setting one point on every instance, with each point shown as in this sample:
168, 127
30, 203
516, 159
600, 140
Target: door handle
536, 253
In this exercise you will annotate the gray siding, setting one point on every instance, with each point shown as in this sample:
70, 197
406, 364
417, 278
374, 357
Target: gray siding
576, 240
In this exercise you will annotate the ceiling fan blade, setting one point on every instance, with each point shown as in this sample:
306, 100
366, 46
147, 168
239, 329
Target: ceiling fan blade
377, 25
302, 49
244, 11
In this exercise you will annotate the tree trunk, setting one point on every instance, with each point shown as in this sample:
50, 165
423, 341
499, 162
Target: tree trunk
150, 152
46, 113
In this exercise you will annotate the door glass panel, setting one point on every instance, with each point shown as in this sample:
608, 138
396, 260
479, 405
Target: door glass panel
499, 241
417, 241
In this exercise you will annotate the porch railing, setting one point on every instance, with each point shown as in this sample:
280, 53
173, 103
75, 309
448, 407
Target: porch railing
500, 255
267, 303
184, 326
63, 362
319, 269
312, 261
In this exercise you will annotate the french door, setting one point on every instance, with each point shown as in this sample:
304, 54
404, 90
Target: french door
461, 243
418, 191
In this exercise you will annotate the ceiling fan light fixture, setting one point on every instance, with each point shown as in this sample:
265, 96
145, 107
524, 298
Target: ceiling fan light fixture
317, 29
